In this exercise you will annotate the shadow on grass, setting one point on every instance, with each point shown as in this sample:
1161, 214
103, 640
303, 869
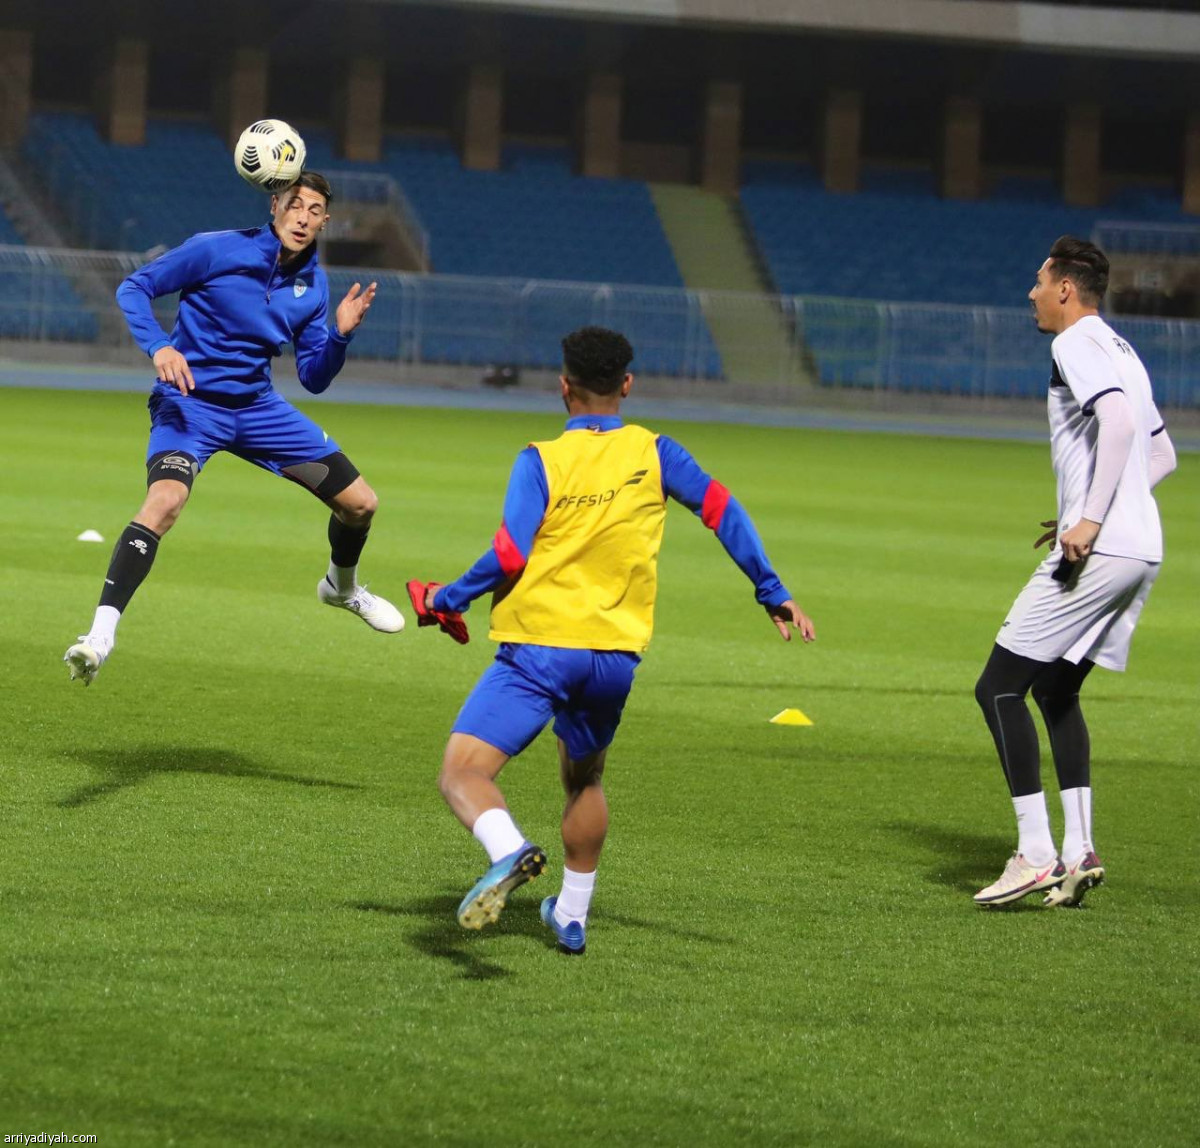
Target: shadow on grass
125, 768
442, 937
966, 861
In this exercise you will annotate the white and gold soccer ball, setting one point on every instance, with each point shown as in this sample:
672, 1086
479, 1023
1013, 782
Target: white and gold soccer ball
269, 155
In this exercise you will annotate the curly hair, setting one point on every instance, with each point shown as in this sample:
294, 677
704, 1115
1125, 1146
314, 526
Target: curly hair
597, 359
1084, 264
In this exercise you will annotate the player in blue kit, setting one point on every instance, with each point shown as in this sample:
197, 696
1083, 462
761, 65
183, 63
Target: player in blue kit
243, 295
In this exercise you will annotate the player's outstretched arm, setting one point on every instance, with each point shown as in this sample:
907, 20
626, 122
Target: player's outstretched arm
789, 614
524, 508
686, 482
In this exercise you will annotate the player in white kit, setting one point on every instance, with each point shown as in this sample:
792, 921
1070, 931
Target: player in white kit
1109, 448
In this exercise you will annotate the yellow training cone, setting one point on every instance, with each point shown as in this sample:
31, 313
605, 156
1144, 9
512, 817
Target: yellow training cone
791, 717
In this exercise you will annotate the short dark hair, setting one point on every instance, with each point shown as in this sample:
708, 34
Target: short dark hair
597, 359
1084, 264
314, 181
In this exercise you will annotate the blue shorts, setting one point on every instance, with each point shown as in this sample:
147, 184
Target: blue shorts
583, 690
268, 432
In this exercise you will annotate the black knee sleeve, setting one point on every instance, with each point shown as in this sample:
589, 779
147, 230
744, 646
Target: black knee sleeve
327, 477
175, 464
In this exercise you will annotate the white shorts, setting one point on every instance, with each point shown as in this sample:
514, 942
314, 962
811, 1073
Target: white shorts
1092, 616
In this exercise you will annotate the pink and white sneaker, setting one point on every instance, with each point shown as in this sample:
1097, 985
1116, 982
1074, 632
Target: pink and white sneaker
1020, 878
1083, 874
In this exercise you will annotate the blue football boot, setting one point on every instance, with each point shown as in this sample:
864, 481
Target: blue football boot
483, 904
570, 936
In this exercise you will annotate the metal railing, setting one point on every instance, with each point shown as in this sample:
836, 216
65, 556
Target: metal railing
819, 345
1118, 238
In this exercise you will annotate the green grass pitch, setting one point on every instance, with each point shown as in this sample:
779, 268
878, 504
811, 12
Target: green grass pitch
228, 882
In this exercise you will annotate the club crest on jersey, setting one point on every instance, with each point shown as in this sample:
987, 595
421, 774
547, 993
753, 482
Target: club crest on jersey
299, 288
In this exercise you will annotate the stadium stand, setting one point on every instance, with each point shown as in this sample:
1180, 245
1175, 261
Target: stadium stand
534, 220
138, 198
38, 302
507, 246
970, 256
944, 251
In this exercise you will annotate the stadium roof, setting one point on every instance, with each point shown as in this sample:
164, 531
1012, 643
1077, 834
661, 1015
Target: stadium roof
1002, 23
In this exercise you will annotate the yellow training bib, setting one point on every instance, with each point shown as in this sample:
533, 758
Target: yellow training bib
592, 575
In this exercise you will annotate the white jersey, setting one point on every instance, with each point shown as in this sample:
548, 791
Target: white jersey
1090, 360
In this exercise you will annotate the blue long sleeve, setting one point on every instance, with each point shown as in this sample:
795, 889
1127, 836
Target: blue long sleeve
525, 503
685, 481
179, 268
320, 351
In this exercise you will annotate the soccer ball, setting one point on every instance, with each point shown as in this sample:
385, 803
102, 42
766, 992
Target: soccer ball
269, 155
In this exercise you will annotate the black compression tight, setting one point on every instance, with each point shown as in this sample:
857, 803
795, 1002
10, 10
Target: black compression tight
1000, 692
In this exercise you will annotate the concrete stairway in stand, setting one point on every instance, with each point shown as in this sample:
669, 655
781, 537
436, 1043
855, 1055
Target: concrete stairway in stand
716, 257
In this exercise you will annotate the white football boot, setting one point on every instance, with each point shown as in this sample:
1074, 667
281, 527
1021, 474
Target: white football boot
1084, 873
87, 656
1020, 878
378, 613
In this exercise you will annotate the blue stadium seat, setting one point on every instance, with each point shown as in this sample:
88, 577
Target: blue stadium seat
39, 306
898, 241
534, 219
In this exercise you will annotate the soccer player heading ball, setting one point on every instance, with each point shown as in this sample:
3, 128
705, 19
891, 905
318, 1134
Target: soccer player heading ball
242, 295
1110, 449
573, 567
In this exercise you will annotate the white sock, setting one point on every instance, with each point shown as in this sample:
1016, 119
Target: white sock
344, 578
496, 831
104, 624
1077, 814
576, 896
1033, 829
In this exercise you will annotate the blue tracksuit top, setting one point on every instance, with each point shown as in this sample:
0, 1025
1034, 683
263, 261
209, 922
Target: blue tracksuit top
238, 307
